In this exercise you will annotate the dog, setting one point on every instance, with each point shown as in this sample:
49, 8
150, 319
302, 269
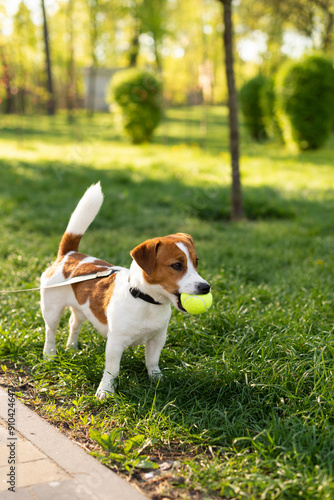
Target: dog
130, 306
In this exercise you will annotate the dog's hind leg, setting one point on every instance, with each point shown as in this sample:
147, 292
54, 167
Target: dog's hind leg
51, 317
76, 320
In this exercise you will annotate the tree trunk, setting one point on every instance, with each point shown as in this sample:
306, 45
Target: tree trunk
93, 28
328, 35
51, 101
134, 49
9, 103
91, 91
71, 87
236, 194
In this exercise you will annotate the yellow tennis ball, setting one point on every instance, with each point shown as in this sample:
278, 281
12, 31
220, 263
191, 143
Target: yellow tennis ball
196, 304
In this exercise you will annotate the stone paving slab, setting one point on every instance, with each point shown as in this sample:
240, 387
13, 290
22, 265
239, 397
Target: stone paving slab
48, 465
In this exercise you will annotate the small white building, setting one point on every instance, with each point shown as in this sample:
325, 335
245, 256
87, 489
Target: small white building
96, 81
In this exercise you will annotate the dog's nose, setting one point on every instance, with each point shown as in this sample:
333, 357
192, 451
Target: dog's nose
203, 288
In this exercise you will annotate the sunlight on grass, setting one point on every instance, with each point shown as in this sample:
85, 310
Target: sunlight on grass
246, 406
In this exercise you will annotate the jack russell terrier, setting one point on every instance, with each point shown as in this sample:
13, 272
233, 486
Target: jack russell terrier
128, 306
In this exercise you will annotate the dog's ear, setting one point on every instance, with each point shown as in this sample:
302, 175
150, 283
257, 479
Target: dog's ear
187, 237
145, 255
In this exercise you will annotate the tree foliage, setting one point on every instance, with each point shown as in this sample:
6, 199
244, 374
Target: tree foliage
176, 37
313, 19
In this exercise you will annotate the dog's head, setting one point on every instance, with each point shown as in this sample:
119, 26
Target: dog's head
171, 263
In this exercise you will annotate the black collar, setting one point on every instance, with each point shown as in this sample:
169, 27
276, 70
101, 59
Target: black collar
136, 293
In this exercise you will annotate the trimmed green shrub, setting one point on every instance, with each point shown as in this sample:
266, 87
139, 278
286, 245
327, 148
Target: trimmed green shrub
305, 101
267, 103
138, 96
250, 104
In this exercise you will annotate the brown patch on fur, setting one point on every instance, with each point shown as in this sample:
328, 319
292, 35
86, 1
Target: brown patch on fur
99, 262
51, 270
97, 291
69, 243
72, 266
158, 254
72, 263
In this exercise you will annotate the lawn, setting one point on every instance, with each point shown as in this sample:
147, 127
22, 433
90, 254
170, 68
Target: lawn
246, 405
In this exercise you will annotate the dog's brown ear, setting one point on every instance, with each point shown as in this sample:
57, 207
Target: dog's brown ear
187, 237
145, 255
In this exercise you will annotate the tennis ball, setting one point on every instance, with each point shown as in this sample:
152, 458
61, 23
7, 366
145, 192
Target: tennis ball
196, 304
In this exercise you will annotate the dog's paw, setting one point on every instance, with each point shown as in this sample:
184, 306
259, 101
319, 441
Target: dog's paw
104, 390
50, 354
101, 395
72, 347
155, 374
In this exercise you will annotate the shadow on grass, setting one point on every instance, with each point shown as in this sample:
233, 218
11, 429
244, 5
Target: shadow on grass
203, 127
43, 196
54, 129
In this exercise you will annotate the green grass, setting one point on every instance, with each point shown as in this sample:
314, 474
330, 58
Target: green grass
246, 406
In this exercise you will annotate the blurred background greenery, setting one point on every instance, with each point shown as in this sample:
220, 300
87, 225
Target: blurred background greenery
91, 39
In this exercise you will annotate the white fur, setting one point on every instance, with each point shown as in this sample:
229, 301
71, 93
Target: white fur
86, 210
190, 281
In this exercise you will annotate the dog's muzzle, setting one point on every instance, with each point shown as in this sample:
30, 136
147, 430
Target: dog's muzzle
201, 288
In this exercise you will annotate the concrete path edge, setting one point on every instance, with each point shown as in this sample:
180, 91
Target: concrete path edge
90, 476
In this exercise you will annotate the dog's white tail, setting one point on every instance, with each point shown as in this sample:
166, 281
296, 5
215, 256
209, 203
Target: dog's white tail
84, 214
86, 210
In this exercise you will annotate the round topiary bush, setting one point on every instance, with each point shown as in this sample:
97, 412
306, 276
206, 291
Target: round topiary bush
305, 101
267, 103
138, 96
250, 104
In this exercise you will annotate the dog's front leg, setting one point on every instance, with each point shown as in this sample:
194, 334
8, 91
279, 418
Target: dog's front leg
114, 353
152, 353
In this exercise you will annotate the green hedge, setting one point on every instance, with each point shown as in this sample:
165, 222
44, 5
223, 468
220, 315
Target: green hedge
138, 96
268, 105
305, 101
250, 104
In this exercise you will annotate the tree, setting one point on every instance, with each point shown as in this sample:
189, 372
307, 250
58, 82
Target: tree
98, 12
134, 42
71, 85
93, 7
6, 100
236, 194
153, 19
25, 42
312, 18
5, 83
51, 101
148, 16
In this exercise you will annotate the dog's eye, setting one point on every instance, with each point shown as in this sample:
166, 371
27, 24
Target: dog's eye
177, 266
197, 260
